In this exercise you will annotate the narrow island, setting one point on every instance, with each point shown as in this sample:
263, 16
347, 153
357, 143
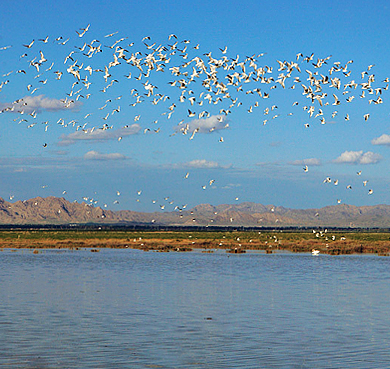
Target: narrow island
332, 242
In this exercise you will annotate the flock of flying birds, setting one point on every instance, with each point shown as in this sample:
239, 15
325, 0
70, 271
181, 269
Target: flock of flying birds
174, 79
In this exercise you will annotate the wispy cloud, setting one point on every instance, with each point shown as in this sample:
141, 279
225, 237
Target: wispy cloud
203, 163
61, 152
39, 103
381, 140
275, 144
358, 157
311, 161
230, 186
95, 155
98, 135
266, 164
205, 125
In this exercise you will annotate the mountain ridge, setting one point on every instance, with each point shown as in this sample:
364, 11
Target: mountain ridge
58, 210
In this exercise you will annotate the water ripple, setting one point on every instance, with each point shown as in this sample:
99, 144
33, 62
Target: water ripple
133, 309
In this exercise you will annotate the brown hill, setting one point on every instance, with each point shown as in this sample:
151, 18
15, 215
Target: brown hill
49, 210
53, 210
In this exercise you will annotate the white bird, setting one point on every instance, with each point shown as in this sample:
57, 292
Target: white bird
193, 133
224, 50
111, 34
29, 46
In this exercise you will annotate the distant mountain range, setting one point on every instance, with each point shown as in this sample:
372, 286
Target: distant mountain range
54, 210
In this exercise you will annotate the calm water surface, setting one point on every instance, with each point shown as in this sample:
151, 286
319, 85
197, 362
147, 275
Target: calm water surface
135, 309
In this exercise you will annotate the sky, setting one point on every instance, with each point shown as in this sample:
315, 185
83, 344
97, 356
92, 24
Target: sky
150, 106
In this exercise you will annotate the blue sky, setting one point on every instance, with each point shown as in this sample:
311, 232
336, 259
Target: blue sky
56, 141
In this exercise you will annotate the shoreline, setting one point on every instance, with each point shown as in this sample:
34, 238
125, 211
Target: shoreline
233, 242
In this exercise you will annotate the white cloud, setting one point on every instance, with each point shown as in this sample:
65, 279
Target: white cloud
349, 157
95, 155
38, 103
381, 140
203, 163
311, 161
205, 125
98, 135
370, 158
358, 157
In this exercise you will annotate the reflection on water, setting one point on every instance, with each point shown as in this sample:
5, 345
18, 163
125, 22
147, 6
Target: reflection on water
134, 309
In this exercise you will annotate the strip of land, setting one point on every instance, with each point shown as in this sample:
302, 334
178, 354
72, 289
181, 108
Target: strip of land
328, 242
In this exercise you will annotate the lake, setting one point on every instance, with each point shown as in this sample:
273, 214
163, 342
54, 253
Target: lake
134, 309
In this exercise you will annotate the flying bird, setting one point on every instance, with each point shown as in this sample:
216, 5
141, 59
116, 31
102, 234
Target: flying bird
29, 46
